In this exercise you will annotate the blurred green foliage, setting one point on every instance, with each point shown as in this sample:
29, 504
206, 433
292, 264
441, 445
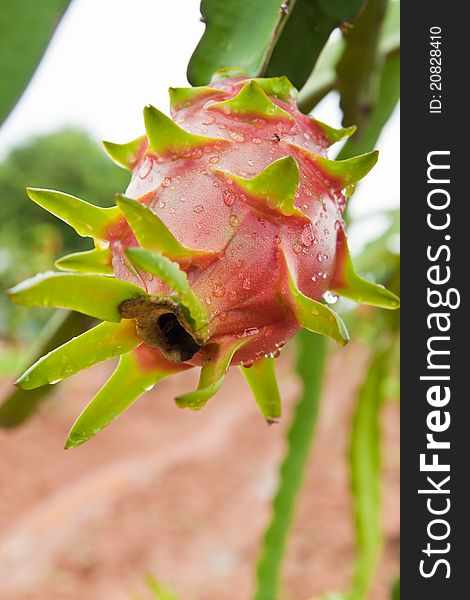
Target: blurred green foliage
31, 238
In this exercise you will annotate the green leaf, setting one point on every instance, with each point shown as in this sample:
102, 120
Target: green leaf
25, 30
316, 317
364, 457
395, 595
305, 34
170, 272
310, 366
132, 377
388, 96
167, 138
323, 77
160, 592
98, 296
346, 172
359, 66
214, 368
152, 233
87, 219
347, 283
253, 101
90, 261
20, 404
262, 381
274, 188
181, 97
238, 34
124, 155
101, 343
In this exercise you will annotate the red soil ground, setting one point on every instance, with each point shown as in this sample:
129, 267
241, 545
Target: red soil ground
182, 495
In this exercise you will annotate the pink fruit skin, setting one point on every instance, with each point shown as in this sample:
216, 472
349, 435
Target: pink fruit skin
241, 283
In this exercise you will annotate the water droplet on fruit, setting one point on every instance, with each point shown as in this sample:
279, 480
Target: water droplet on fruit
229, 197
216, 184
149, 388
214, 160
183, 198
226, 110
237, 137
232, 295
166, 182
281, 344
208, 121
161, 205
239, 264
326, 232
218, 291
256, 140
199, 208
337, 225
330, 298
307, 236
251, 331
146, 167
247, 363
297, 247
250, 162
314, 278
234, 221
246, 283
321, 256
277, 239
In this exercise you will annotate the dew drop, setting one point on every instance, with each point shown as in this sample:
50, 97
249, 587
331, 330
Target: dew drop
277, 239
216, 184
251, 331
326, 232
297, 248
214, 160
218, 291
145, 168
237, 137
250, 162
239, 264
166, 182
337, 225
161, 204
232, 295
234, 221
307, 236
229, 197
330, 298
199, 208
208, 121
256, 140
247, 363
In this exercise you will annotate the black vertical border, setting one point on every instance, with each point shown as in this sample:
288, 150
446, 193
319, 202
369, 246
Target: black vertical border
422, 132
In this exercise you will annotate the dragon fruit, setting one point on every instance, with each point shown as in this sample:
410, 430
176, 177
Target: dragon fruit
228, 237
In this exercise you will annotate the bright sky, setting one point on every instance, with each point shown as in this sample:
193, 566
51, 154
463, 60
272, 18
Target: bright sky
110, 58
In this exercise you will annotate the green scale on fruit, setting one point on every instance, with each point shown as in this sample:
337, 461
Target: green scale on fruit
221, 249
